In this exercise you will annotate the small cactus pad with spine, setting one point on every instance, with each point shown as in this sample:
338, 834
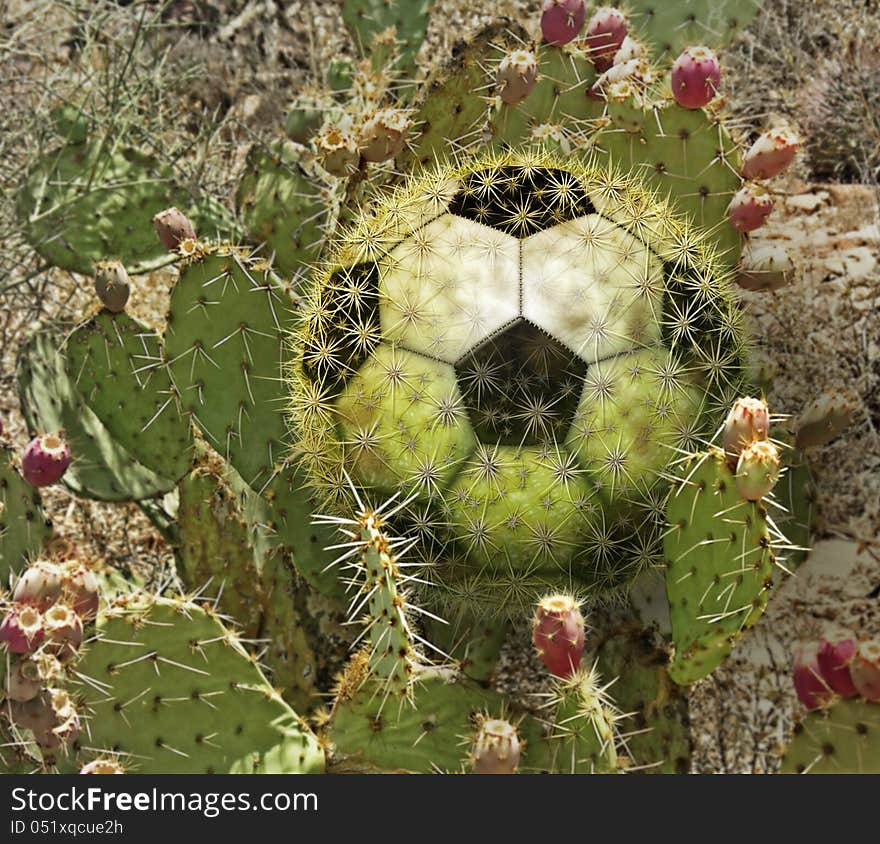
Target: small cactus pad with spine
23, 527
842, 739
83, 203
719, 564
167, 685
101, 467
515, 345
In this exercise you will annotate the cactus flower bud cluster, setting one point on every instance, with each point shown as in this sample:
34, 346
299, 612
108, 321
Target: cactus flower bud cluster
748, 449
837, 667
558, 634
45, 459
43, 631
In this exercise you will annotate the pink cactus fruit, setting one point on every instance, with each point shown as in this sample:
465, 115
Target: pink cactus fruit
771, 154
64, 631
750, 207
558, 634
102, 766
517, 76
22, 629
45, 459
383, 136
757, 470
562, 20
812, 690
834, 656
865, 670
604, 36
81, 589
696, 75
496, 748
40, 585
173, 227
747, 421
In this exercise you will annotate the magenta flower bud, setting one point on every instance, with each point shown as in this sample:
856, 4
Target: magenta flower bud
834, 657
22, 629
558, 634
604, 36
173, 228
696, 75
865, 670
45, 459
496, 748
517, 76
40, 585
812, 690
750, 207
771, 154
747, 421
562, 20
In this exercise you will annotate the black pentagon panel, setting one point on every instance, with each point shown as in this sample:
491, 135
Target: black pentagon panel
521, 387
521, 201
344, 326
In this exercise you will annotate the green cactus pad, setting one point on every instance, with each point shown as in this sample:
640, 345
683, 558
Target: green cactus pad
367, 18
229, 556
452, 110
670, 27
687, 156
844, 739
517, 346
286, 509
224, 349
796, 493
116, 365
286, 204
558, 99
23, 527
657, 731
84, 203
101, 467
429, 735
474, 643
168, 687
719, 565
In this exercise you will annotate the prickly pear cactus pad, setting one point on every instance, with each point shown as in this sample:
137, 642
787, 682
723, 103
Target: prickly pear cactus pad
169, 689
85, 202
670, 27
517, 346
23, 527
844, 739
719, 564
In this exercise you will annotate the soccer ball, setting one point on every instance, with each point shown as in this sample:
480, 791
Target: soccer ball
520, 347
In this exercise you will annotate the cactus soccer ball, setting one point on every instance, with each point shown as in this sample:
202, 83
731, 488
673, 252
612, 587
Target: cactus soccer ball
519, 346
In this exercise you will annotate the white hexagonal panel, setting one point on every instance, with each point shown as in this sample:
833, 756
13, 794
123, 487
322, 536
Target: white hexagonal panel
448, 286
593, 286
